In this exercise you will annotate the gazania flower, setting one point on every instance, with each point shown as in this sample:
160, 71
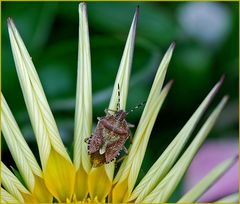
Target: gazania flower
58, 177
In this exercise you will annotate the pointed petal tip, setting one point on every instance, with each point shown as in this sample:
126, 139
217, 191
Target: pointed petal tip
221, 81
218, 86
171, 48
137, 10
224, 100
226, 97
173, 45
169, 84
10, 24
9, 19
82, 6
236, 158
136, 16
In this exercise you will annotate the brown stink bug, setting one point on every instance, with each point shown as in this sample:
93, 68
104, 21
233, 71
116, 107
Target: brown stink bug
110, 135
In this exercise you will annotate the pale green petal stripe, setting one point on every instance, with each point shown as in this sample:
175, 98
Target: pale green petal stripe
7, 197
18, 147
233, 198
41, 117
12, 184
122, 79
154, 94
207, 181
83, 113
165, 188
169, 156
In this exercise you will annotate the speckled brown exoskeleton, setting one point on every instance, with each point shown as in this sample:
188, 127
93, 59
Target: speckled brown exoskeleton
110, 135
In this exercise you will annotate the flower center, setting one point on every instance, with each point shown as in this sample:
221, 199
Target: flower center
86, 200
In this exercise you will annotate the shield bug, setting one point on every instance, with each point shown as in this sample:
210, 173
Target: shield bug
110, 135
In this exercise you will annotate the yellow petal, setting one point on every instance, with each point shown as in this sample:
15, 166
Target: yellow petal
99, 183
165, 188
169, 156
22, 155
132, 163
59, 176
40, 191
28, 198
81, 184
83, 113
202, 186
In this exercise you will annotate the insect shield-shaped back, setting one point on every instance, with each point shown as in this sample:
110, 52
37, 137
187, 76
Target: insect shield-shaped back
109, 137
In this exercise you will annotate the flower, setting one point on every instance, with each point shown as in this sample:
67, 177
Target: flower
63, 180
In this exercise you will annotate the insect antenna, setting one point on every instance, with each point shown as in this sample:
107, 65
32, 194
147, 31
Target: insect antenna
136, 107
118, 103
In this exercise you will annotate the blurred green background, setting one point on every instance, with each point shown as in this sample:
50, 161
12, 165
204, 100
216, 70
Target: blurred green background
206, 35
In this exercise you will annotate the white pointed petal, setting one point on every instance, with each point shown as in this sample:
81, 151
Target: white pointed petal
41, 117
138, 156
122, 79
12, 184
169, 156
203, 185
7, 197
154, 94
18, 147
161, 73
124, 69
165, 188
233, 198
83, 113
83, 110
132, 163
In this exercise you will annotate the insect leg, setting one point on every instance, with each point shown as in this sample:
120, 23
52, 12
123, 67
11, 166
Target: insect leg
122, 158
88, 139
130, 125
136, 107
107, 110
130, 137
102, 150
125, 150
